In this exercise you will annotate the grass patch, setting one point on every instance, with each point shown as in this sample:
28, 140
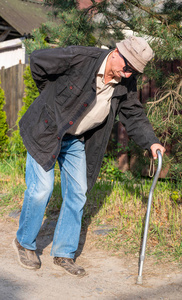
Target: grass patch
123, 206
12, 186
120, 205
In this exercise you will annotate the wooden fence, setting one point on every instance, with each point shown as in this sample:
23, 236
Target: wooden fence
149, 89
13, 86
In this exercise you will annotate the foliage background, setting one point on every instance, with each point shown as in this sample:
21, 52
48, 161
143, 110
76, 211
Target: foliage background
3, 125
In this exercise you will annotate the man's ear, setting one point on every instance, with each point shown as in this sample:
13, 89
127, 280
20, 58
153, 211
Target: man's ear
116, 50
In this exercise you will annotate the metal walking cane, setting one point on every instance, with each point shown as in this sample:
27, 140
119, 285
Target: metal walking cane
142, 255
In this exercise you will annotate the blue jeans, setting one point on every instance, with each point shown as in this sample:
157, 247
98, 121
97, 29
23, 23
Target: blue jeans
72, 163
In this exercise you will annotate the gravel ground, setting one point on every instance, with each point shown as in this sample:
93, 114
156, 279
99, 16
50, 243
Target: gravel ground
109, 277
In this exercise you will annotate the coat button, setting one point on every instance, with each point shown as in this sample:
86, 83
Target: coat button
54, 156
71, 122
71, 87
85, 104
46, 121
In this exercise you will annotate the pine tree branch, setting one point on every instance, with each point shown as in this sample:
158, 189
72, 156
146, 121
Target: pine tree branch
147, 9
155, 15
161, 99
109, 15
102, 8
179, 86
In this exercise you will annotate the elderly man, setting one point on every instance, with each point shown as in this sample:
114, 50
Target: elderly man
82, 89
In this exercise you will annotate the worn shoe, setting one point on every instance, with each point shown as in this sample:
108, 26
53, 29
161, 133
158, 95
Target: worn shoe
69, 266
27, 258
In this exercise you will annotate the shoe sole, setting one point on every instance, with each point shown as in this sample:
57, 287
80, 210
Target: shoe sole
17, 252
60, 268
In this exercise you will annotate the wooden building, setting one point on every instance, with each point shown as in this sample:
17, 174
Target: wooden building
18, 18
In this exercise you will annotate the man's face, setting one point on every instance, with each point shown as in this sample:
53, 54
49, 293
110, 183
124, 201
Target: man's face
117, 65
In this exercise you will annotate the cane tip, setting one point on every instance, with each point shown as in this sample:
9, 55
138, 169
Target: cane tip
139, 280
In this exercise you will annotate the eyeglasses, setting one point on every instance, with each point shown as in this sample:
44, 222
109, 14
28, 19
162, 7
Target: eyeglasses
128, 69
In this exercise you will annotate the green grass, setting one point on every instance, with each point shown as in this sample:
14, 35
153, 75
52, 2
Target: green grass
121, 205
12, 186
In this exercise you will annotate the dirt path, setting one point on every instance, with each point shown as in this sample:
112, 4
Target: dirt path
108, 277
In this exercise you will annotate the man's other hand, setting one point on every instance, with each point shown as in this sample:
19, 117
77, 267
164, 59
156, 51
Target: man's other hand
156, 147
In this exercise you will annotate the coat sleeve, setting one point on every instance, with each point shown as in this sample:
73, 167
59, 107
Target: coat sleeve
48, 63
133, 117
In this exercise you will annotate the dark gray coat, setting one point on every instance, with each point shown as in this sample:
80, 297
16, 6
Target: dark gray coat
66, 79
